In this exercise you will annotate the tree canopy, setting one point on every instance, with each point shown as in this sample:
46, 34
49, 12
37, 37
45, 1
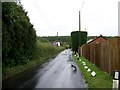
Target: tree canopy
18, 34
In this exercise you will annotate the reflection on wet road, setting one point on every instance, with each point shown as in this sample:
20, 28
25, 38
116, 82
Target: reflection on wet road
56, 73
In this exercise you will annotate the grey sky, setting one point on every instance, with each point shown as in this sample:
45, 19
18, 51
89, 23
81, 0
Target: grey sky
52, 16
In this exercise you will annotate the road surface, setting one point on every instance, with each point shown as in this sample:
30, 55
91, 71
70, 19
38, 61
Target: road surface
57, 73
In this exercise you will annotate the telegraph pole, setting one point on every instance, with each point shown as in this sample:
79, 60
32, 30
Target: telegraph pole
57, 36
79, 36
80, 25
79, 28
79, 22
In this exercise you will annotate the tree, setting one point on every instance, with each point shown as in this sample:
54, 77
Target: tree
18, 34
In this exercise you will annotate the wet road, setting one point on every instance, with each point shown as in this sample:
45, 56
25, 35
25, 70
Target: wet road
57, 73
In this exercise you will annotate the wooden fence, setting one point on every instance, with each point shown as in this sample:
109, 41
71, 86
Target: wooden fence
105, 55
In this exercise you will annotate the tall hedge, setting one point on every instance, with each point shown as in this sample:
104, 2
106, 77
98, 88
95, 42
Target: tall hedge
18, 35
78, 38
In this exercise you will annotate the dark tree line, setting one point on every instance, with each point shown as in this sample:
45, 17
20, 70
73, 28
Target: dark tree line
61, 39
18, 35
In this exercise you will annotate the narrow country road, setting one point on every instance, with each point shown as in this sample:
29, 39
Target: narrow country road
56, 73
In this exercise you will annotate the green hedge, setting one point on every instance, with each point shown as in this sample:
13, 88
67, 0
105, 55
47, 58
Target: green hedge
18, 35
76, 40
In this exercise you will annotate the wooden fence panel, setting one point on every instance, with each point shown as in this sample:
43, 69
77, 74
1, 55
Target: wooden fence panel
112, 54
105, 55
118, 53
87, 52
97, 56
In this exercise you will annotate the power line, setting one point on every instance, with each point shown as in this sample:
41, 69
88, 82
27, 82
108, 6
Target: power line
80, 22
82, 5
44, 17
80, 15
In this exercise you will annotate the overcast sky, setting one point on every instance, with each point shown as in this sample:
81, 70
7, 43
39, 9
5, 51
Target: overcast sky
62, 16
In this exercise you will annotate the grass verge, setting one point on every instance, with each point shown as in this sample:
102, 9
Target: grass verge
101, 80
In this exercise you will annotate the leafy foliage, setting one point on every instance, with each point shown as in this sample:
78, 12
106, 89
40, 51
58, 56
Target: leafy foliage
18, 35
43, 52
78, 38
64, 40
21, 48
92, 37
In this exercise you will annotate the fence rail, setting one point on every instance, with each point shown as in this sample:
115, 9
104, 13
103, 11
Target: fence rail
105, 55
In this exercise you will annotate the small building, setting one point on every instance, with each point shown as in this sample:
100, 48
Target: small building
56, 44
97, 40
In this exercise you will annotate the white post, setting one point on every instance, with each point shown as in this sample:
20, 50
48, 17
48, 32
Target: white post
116, 78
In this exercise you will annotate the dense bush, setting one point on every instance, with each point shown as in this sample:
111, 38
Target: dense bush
45, 50
78, 38
64, 40
21, 48
18, 35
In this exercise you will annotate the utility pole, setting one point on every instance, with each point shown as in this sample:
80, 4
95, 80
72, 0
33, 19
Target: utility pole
79, 36
57, 36
79, 22
80, 25
79, 29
